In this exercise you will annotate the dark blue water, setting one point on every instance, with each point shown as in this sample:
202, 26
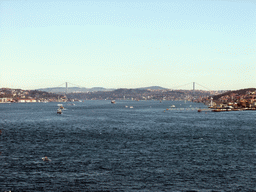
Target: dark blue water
98, 146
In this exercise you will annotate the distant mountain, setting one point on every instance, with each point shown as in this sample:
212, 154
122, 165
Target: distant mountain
152, 88
73, 89
99, 89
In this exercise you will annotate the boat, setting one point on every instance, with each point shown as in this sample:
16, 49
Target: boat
59, 111
173, 106
199, 110
217, 110
60, 106
46, 159
131, 107
113, 102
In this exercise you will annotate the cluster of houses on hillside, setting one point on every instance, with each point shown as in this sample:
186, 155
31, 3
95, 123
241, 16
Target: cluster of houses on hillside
240, 99
144, 94
236, 100
29, 100
10, 100
8, 95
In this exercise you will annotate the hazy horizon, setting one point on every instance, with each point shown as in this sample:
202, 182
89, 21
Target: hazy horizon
74, 87
132, 44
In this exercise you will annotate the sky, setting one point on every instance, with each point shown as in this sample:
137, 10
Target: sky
128, 44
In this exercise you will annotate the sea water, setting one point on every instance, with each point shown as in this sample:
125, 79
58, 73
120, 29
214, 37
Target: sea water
99, 146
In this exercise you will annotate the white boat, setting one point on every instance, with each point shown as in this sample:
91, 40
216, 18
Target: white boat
60, 106
131, 107
173, 106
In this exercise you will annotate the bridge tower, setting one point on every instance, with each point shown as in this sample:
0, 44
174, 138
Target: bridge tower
194, 88
66, 87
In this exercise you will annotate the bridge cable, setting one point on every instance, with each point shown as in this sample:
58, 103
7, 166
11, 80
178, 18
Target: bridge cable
203, 86
75, 85
180, 86
60, 84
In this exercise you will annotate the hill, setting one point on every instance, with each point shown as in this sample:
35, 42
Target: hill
236, 92
73, 89
93, 89
153, 88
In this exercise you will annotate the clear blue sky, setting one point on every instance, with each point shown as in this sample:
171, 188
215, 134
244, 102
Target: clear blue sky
128, 44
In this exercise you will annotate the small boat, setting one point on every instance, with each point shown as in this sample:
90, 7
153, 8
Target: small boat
131, 107
113, 102
216, 110
59, 111
60, 106
46, 159
126, 106
173, 106
199, 110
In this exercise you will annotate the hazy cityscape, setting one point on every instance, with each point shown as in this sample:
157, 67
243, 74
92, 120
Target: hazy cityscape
226, 100
149, 93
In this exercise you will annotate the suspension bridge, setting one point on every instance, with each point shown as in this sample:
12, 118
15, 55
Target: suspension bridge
66, 84
185, 86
